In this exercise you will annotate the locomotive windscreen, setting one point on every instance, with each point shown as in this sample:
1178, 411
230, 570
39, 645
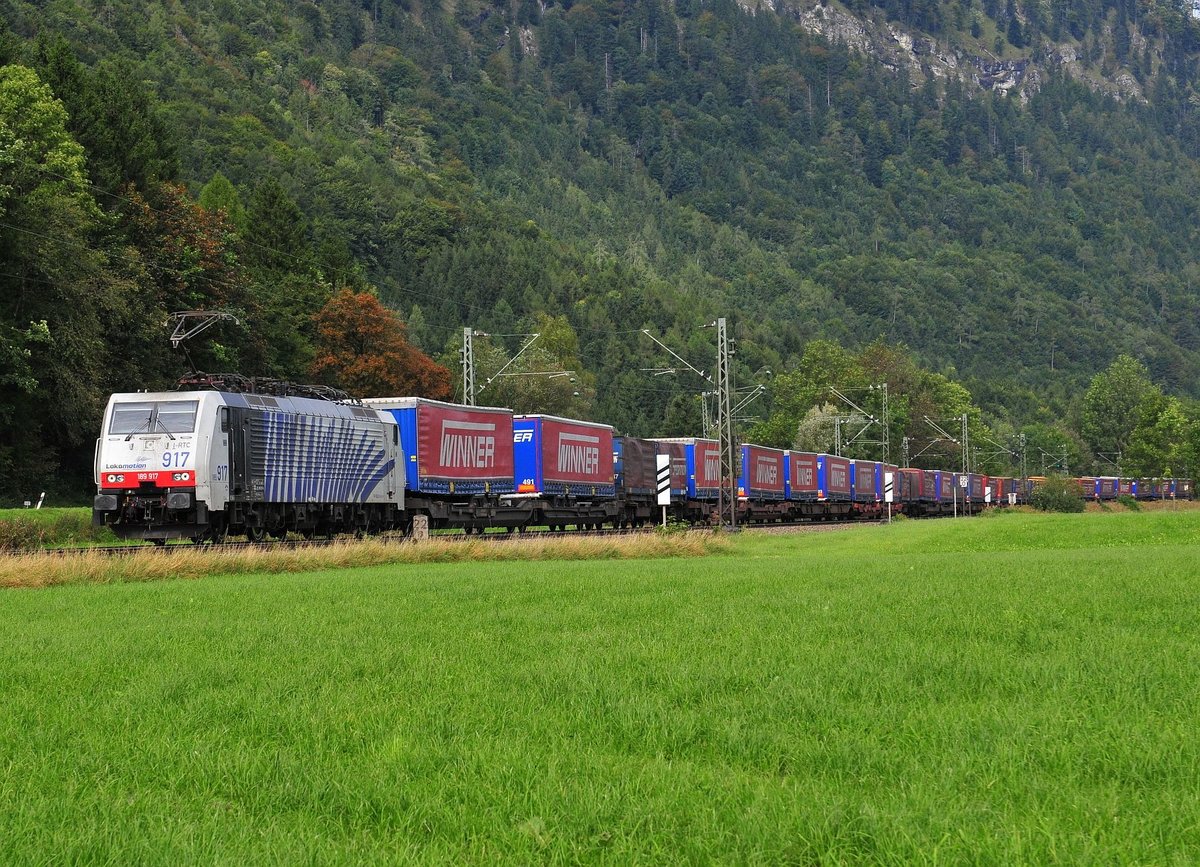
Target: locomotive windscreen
153, 416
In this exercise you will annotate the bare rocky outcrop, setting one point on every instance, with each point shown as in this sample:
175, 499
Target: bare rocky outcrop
899, 48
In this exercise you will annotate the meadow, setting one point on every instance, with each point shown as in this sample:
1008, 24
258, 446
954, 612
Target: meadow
1016, 689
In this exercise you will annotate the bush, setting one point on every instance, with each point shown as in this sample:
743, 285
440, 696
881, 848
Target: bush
1057, 494
21, 534
673, 527
29, 530
1129, 503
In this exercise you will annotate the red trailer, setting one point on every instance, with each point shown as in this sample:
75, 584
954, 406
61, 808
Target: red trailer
562, 456
762, 473
801, 476
452, 449
833, 478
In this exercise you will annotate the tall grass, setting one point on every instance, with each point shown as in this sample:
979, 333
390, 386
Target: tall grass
47, 569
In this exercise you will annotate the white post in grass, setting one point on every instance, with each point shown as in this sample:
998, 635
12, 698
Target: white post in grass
663, 486
889, 486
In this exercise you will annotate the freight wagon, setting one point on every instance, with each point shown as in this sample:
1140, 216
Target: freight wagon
762, 484
676, 453
635, 465
702, 460
565, 467
458, 461
945, 492
800, 477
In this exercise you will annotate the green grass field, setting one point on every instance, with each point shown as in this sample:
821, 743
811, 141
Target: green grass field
1020, 689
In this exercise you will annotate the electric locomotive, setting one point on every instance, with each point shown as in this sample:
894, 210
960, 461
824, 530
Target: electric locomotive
202, 464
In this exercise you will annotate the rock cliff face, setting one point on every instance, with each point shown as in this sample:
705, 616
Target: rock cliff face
923, 57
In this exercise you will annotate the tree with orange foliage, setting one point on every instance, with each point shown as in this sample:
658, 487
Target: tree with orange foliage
362, 347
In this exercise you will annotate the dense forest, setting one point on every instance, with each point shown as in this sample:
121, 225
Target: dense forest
984, 215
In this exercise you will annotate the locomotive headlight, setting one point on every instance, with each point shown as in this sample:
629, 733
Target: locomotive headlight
115, 478
111, 477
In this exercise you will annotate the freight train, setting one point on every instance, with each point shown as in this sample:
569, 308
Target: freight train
233, 457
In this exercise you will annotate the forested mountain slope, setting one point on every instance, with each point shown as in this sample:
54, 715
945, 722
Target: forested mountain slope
1008, 189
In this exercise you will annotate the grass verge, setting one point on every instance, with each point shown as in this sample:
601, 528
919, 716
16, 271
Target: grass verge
95, 567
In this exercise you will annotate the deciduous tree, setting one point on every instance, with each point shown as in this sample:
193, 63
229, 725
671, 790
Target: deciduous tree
361, 347
1111, 406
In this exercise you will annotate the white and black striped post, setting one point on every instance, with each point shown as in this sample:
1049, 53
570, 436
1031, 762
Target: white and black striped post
664, 484
889, 492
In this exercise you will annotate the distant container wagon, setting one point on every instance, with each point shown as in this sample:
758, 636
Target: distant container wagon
452, 449
833, 478
917, 485
864, 481
676, 453
1002, 488
1107, 487
943, 487
974, 486
1126, 486
800, 476
762, 473
635, 465
885, 468
703, 466
1148, 489
1089, 487
562, 457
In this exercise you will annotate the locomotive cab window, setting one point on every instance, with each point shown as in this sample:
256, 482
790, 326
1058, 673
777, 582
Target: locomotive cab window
130, 418
148, 417
177, 416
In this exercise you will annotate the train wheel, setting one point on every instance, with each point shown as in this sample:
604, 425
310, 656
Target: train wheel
255, 534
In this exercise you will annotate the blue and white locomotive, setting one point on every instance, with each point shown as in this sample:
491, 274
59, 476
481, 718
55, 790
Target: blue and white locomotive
200, 465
